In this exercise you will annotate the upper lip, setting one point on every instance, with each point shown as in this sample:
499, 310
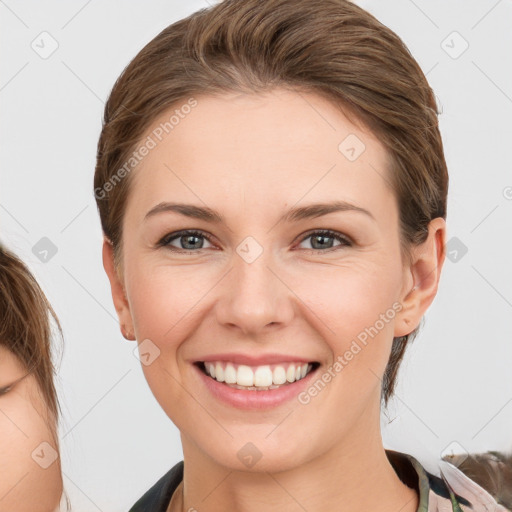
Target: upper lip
253, 360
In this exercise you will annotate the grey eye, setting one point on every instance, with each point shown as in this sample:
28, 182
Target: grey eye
188, 240
325, 239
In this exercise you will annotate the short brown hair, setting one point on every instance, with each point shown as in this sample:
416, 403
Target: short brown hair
332, 48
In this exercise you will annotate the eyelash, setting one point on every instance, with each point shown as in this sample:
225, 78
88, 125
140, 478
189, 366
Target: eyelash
4, 391
165, 241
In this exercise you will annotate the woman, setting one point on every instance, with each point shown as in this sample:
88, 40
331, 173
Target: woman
272, 189
30, 471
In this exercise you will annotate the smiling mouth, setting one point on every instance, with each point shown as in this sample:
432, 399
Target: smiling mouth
256, 378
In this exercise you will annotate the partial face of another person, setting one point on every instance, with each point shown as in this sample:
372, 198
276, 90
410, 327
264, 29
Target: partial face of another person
264, 287
30, 476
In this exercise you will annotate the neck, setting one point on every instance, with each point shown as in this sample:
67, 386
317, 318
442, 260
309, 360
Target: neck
354, 475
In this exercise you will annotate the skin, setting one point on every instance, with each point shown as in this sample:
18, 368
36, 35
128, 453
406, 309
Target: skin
252, 157
25, 486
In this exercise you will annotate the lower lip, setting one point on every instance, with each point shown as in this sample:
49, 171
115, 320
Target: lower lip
253, 399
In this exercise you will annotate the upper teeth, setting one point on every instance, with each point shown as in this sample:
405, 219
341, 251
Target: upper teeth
259, 376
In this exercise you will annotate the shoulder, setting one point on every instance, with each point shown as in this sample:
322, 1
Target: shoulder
453, 491
479, 497
434, 493
157, 498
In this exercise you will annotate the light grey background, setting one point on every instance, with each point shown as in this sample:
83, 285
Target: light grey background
455, 383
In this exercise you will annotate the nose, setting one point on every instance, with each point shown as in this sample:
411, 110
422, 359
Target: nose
255, 296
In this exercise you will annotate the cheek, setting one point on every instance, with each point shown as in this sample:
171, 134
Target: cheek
354, 307
351, 298
167, 305
30, 470
163, 296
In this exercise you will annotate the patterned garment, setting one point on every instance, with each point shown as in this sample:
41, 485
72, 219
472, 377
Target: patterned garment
452, 492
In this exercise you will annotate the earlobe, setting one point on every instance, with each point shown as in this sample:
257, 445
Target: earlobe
118, 293
422, 278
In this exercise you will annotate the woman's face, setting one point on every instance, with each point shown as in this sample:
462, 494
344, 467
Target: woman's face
258, 286
31, 479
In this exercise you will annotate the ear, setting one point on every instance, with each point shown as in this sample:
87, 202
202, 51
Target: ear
118, 293
421, 278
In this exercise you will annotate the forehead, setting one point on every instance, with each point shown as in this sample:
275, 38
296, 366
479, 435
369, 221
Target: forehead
267, 148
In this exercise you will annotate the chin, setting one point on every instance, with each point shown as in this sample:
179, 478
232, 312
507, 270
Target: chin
255, 453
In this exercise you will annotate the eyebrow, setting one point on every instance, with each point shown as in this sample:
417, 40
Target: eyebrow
310, 211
